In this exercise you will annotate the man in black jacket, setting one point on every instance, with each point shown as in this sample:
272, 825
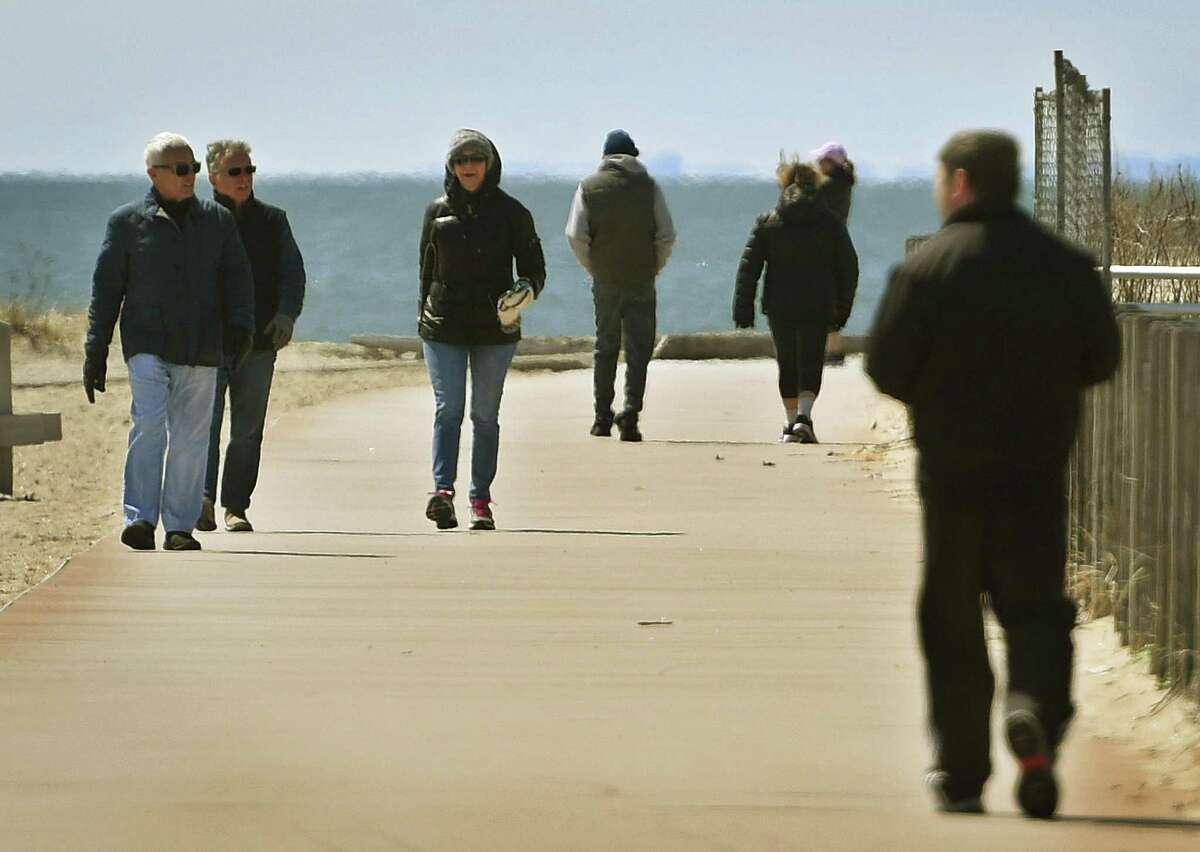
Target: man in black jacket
278, 298
989, 333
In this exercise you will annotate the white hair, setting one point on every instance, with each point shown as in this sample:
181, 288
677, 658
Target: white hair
162, 143
222, 148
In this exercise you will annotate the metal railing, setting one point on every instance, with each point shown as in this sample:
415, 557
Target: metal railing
1134, 493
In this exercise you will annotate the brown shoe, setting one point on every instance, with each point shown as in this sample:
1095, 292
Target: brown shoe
208, 516
235, 522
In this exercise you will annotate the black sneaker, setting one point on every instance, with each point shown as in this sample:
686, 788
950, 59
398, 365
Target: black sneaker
938, 782
440, 510
1037, 789
139, 535
803, 429
180, 540
627, 424
602, 427
207, 522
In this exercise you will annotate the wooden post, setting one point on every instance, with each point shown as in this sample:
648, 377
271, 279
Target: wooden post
18, 430
6, 409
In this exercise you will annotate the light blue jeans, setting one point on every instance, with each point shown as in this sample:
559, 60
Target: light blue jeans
447, 363
172, 409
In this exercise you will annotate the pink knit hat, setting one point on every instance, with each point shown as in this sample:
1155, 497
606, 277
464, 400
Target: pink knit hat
831, 151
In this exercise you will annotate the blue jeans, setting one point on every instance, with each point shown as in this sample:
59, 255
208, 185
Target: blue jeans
249, 389
628, 308
447, 363
172, 409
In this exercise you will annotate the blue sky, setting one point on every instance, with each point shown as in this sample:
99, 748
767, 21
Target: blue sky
336, 87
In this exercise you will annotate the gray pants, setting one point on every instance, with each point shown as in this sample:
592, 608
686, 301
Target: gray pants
630, 309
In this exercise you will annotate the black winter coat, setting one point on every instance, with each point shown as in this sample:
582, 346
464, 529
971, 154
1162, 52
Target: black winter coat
276, 260
469, 242
989, 332
836, 191
812, 268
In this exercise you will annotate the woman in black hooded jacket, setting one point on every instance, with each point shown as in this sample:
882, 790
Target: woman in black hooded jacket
812, 274
470, 239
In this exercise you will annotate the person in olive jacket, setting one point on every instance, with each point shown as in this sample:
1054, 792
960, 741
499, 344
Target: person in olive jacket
621, 232
812, 274
989, 332
278, 298
173, 269
469, 241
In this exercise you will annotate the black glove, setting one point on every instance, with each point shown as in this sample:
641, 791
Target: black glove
238, 343
280, 328
95, 370
743, 318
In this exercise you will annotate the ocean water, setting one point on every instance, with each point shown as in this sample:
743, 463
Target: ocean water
359, 237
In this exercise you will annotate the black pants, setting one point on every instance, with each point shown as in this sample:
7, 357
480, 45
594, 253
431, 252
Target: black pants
632, 310
249, 389
1004, 545
800, 353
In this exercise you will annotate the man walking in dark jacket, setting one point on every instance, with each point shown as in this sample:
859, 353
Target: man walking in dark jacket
278, 298
989, 333
621, 231
173, 269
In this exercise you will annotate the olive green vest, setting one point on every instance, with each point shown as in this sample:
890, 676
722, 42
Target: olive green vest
620, 211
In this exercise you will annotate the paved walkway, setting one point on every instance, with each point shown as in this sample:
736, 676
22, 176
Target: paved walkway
348, 678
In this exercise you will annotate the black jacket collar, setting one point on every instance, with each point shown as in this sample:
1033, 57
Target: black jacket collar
985, 211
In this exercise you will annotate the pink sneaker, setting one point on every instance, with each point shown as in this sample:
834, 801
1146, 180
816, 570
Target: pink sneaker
481, 515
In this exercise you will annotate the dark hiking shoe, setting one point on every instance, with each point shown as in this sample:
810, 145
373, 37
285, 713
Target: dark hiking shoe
207, 522
236, 522
180, 540
602, 427
481, 515
1037, 790
139, 535
803, 430
627, 424
440, 510
947, 802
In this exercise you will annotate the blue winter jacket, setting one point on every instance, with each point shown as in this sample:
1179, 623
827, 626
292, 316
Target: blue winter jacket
176, 290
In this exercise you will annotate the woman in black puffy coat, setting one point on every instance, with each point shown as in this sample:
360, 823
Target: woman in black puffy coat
811, 277
470, 240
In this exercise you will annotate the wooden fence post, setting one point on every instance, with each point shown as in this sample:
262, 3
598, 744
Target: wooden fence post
18, 430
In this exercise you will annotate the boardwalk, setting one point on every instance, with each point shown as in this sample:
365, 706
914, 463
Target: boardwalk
348, 678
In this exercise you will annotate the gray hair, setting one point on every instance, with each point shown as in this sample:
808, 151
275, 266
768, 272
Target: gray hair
162, 143
220, 149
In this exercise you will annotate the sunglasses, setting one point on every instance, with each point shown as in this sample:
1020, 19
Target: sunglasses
236, 171
466, 159
180, 169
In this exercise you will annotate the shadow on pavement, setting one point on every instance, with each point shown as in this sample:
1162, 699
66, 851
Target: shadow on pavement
1126, 822
299, 554
631, 533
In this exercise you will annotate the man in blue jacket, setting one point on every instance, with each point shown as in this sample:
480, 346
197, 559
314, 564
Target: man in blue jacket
278, 297
173, 270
